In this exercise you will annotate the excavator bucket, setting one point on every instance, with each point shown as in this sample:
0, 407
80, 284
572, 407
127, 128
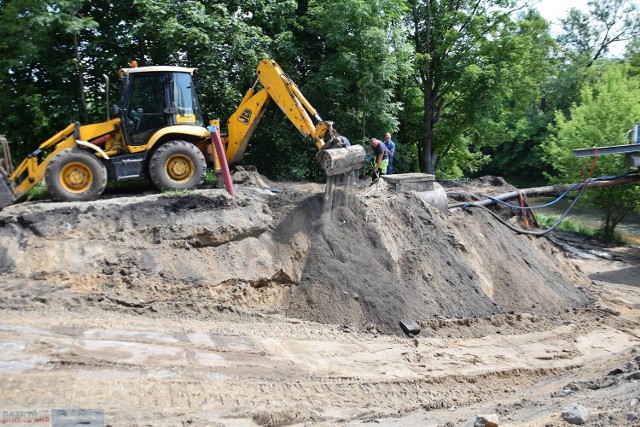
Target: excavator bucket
6, 168
336, 161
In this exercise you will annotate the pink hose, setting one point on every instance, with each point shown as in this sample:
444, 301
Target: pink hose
222, 158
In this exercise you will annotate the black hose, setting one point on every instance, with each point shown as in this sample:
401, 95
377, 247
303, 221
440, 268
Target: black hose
537, 233
583, 187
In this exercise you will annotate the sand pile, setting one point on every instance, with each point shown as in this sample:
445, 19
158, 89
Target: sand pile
390, 257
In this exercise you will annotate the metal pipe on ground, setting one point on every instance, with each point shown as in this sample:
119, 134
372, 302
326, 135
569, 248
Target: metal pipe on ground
549, 190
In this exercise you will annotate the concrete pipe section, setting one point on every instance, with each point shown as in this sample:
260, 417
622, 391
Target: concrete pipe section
336, 161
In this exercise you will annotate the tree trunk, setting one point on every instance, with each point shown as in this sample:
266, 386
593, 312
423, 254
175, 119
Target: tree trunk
83, 100
608, 227
364, 117
427, 161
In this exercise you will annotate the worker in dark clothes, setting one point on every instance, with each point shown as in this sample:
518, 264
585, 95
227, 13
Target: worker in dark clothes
381, 158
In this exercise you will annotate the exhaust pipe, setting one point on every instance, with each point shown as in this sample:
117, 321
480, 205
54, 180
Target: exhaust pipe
106, 82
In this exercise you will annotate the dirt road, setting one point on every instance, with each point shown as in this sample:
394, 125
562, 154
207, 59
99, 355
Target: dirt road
207, 310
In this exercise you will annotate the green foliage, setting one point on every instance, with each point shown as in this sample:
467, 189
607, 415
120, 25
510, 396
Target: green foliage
210, 179
608, 109
38, 69
38, 192
462, 155
40, 75
632, 55
568, 225
213, 36
280, 152
571, 225
359, 63
588, 35
479, 66
406, 158
456, 83
141, 182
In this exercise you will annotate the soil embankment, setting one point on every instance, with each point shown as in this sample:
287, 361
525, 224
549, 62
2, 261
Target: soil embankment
380, 258
262, 309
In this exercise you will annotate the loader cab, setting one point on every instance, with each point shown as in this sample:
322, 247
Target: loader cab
154, 98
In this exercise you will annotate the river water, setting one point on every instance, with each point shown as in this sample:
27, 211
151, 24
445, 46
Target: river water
589, 216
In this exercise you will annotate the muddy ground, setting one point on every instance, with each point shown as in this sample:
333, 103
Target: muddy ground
262, 309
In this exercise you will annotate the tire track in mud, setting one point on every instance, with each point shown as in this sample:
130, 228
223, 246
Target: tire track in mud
256, 371
232, 398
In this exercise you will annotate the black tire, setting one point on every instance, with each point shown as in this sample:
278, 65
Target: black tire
177, 165
75, 175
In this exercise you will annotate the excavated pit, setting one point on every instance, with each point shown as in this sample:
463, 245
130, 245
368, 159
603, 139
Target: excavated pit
376, 259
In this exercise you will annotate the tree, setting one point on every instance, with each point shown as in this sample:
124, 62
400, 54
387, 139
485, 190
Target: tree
277, 148
607, 111
54, 75
589, 35
586, 39
213, 36
359, 64
632, 56
475, 61
41, 73
347, 58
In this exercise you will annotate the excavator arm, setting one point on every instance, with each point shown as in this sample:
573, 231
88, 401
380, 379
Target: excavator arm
279, 88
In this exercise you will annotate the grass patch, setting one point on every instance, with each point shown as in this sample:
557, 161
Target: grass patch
570, 225
128, 186
177, 193
38, 192
210, 178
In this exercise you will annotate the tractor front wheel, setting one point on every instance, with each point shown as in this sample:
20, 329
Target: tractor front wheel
177, 165
75, 175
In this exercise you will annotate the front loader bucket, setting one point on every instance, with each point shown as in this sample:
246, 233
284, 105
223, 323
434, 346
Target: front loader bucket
336, 161
6, 168
6, 195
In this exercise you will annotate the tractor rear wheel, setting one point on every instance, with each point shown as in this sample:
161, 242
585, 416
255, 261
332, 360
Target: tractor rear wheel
75, 175
177, 165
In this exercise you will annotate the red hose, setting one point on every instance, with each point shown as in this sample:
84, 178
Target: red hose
222, 158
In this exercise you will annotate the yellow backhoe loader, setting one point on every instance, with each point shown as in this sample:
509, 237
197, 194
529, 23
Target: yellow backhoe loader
157, 130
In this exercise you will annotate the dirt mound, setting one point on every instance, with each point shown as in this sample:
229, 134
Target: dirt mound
248, 176
372, 262
391, 257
